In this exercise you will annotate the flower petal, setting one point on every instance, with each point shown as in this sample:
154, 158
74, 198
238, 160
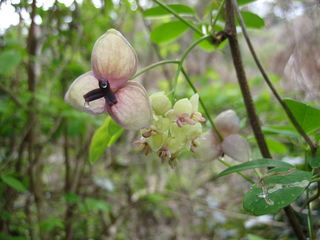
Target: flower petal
113, 59
236, 147
80, 87
133, 110
227, 123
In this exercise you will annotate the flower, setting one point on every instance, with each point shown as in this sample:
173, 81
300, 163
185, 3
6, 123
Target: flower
172, 130
233, 145
106, 87
185, 111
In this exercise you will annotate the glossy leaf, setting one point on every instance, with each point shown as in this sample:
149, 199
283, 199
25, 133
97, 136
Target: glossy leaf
13, 182
307, 116
168, 31
159, 11
251, 20
258, 163
283, 190
105, 136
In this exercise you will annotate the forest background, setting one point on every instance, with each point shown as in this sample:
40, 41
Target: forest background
49, 189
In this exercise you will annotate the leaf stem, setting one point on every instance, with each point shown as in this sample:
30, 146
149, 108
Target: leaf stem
179, 17
155, 65
202, 104
184, 55
240, 173
216, 18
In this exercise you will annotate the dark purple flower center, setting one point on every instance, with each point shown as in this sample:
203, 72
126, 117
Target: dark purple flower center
103, 91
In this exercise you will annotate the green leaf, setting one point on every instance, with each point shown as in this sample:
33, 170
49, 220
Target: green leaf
251, 20
307, 116
258, 163
315, 162
283, 190
9, 60
285, 131
71, 197
105, 136
13, 182
51, 224
95, 205
276, 146
243, 2
168, 31
160, 11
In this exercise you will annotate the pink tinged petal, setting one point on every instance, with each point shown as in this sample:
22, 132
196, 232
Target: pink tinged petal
113, 59
227, 123
82, 85
237, 148
209, 147
133, 110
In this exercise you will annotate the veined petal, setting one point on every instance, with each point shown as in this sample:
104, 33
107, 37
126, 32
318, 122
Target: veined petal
133, 110
82, 85
113, 58
236, 147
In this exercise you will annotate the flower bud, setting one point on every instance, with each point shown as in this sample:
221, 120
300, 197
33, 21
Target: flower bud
227, 123
160, 103
113, 59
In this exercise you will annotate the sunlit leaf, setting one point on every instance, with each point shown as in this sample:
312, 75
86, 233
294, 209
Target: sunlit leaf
307, 116
159, 11
281, 191
276, 146
168, 31
13, 182
258, 163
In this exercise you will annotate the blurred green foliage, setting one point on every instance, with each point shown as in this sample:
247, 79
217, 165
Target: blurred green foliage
49, 188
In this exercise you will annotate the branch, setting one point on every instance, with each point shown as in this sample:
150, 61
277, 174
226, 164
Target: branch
243, 83
236, 56
313, 147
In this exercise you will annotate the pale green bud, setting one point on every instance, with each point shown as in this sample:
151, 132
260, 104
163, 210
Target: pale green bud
160, 103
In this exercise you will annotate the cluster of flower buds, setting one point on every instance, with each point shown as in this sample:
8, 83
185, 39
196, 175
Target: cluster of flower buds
173, 130
211, 146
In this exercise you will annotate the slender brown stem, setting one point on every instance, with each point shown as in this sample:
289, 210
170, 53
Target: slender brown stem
254, 120
312, 146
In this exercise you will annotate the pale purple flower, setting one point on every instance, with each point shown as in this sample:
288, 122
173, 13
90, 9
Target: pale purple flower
106, 87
